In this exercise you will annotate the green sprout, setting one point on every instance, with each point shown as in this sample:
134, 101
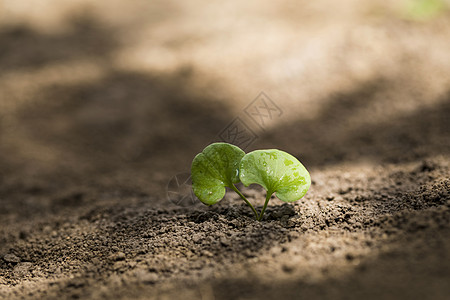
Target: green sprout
222, 165
425, 10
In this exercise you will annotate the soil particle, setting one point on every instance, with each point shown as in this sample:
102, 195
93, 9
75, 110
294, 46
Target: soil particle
118, 256
22, 269
11, 258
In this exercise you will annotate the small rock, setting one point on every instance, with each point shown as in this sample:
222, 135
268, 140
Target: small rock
345, 191
147, 278
208, 253
22, 269
196, 238
11, 258
119, 256
224, 241
76, 282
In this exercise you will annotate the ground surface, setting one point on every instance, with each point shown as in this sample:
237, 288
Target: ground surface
103, 108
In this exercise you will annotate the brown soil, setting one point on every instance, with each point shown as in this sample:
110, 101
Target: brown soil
101, 107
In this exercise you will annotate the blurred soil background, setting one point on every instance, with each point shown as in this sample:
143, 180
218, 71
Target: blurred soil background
103, 104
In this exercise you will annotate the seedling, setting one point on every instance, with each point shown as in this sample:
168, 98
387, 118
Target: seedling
222, 165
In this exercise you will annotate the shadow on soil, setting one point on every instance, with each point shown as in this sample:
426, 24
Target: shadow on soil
25, 49
126, 132
331, 139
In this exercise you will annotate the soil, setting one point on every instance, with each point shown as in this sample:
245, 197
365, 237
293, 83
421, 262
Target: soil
102, 111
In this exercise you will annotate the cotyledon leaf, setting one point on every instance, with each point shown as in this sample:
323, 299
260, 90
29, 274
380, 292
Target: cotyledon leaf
277, 171
215, 168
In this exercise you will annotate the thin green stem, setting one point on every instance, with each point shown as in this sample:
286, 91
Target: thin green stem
268, 195
245, 199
